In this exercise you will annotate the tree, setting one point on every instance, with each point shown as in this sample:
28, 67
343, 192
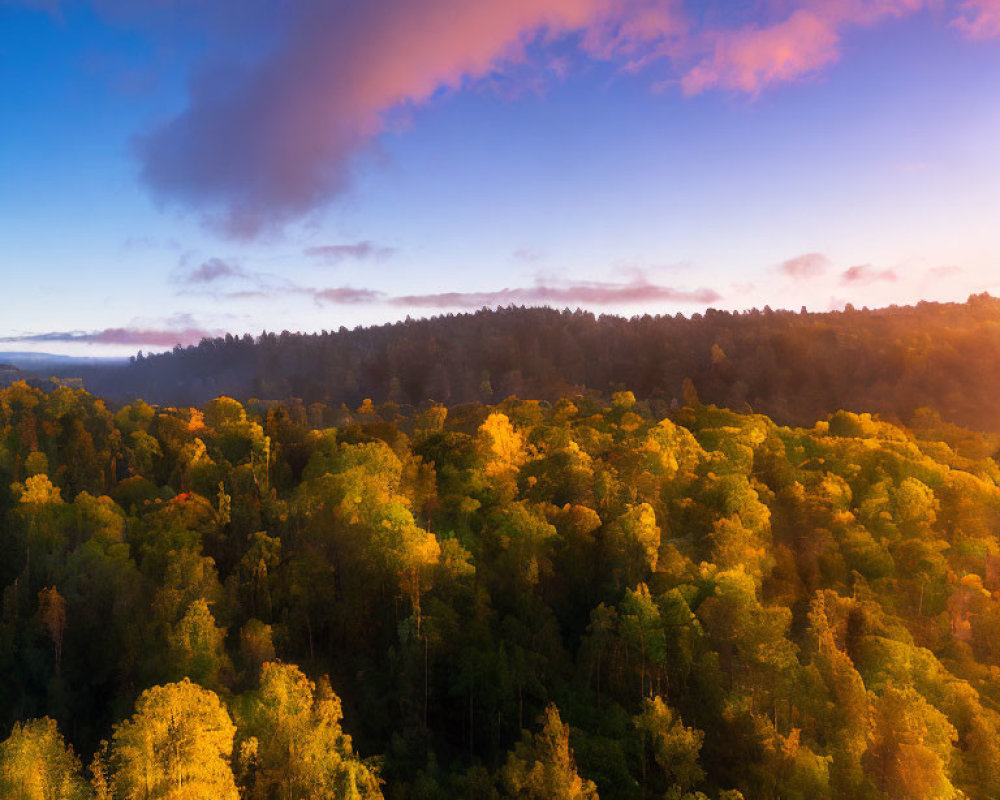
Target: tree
176, 746
541, 767
634, 543
842, 709
503, 451
909, 747
733, 545
668, 748
256, 568
294, 747
43, 518
52, 614
36, 764
641, 628
143, 453
750, 637
196, 646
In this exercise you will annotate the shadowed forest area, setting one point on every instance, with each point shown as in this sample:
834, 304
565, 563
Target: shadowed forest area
565, 599
794, 367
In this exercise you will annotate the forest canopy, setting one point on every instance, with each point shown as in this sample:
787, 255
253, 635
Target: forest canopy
575, 599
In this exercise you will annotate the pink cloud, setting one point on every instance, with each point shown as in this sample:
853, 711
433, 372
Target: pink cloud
808, 265
638, 30
751, 58
150, 337
979, 19
586, 294
265, 143
261, 146
866, 273
594, 293
755, 56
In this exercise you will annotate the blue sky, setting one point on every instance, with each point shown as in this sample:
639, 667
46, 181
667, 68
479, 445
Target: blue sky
168, 171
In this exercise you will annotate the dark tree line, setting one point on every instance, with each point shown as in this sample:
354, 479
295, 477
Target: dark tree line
795, 367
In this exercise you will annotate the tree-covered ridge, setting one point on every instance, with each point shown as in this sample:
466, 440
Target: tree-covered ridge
794, 367
527, 600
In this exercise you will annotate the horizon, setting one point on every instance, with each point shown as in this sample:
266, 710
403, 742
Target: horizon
85, 348
176, 172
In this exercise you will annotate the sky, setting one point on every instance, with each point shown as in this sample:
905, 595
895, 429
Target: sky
172, 169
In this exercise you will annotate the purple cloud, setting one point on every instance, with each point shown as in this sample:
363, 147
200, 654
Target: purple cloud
339, 295
979, 19
212, 270
344, 295
335, 253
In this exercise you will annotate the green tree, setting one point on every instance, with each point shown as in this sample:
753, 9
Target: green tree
641, 629
197, 646
668, 749
633, 541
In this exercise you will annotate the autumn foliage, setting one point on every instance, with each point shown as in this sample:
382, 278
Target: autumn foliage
569, 599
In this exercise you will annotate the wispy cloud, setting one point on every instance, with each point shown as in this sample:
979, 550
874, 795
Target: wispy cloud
263, 290
212, 270
358, 251
753, 57
949, 271
808, 265
586, 294
528, 255
344, 295
589, 293
979, 19
131, 336
866, 273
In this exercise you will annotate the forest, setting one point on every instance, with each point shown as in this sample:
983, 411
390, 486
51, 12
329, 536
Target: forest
576, 598
795, 367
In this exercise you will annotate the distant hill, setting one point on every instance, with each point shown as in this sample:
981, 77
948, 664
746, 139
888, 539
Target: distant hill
31, 361
795, 367
9, 373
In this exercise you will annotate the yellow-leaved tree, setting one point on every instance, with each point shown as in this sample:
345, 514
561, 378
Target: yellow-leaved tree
909, 747
542, 766
503, 454
36, 764
294, 746
176, 746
